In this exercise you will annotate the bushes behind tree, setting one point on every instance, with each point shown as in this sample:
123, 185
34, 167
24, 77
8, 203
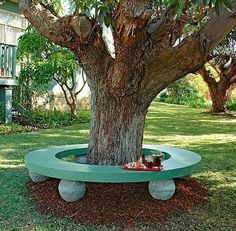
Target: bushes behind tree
183, 92
55, 118
42, 118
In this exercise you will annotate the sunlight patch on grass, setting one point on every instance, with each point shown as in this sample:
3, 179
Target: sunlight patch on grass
201, 140
7, 149
218, 180
11, 165
6, 163
224, 121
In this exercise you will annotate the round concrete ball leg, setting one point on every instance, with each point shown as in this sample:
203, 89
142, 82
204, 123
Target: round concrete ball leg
35, 177
162, 190
71, 190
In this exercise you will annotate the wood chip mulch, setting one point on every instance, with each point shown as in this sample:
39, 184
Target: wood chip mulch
123, 205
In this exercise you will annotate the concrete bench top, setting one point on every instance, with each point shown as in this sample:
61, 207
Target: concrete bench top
48, 162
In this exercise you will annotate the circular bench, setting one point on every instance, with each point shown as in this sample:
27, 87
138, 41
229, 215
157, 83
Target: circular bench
48, 162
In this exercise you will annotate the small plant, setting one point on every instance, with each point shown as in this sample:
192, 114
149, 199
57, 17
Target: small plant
55, 118
231, 106
12, 128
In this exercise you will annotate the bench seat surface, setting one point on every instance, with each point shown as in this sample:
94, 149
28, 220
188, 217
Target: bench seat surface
47, 162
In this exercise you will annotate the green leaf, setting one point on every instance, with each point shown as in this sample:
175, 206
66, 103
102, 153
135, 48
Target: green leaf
198, 2
108, 20
228, 4
219, 6
205, 2
101, 17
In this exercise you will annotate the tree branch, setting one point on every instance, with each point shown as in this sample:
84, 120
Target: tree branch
64, 91
206, 76
160, 25
219, 26
233, 80
166, 28
229, 72
131, 16
67, 86
48, 24
93, 54
188, 57
50, 9
84, 82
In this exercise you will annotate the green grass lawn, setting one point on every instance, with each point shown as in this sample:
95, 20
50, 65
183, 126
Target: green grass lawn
211, 136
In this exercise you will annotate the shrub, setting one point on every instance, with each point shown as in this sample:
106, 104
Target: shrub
83, 116
163, 97
231, 106
182, 92
11, 128
55, 118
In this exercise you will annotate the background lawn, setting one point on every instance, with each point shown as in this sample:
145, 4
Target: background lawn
211, 136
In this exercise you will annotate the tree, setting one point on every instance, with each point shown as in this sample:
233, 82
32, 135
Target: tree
45, 62
151, 52
220, 72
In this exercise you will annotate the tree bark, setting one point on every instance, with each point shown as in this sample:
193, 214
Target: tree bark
218, 101
73, 108
218, 97
218, 89
116, 130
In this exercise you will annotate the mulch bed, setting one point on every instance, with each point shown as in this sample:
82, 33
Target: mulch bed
123, 205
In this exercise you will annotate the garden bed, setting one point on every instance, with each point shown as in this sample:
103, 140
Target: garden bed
123, 205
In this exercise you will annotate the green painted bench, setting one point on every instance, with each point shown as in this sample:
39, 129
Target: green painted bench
48, 162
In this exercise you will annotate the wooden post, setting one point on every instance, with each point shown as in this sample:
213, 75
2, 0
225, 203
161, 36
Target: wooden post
8, 105
13, 72
2, 104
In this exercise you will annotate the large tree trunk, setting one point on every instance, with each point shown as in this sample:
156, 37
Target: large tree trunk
218, 88
117, 129
218, 98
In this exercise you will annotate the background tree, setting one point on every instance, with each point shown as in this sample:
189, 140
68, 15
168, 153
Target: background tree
151, 51
220, 72
44, 62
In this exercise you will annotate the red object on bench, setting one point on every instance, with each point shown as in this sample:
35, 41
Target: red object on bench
156, 169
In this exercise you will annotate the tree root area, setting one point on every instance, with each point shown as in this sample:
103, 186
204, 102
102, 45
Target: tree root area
124, 205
